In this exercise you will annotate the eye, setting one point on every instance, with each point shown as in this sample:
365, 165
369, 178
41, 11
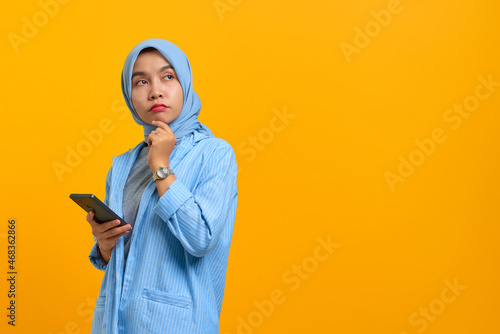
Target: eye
169, 76
138, 83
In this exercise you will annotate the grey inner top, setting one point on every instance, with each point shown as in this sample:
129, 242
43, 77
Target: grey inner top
138, 179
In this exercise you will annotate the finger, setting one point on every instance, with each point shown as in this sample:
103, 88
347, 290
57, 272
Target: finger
153, 137
92, 221
158, 131
163, 126
150, 140
116, 237
90, 216
104, 227
110, 243
113, 232
110, 225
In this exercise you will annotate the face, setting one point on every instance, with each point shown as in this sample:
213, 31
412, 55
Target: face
156, 91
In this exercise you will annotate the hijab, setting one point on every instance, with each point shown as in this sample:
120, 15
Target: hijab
187, 121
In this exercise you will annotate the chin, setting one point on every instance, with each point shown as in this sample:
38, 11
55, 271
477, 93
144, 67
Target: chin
161, 119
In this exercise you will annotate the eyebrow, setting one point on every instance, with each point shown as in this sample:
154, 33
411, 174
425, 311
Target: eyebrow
166, 67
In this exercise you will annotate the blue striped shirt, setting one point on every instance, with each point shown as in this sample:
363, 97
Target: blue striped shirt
173, 281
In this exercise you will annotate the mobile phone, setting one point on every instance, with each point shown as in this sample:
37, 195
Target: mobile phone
102, 213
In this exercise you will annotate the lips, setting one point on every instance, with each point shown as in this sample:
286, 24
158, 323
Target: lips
158, 107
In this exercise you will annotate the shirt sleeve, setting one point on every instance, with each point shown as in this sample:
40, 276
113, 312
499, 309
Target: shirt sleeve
197, 218
94, 255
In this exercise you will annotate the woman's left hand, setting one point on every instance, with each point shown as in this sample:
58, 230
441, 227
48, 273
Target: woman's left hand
161, 144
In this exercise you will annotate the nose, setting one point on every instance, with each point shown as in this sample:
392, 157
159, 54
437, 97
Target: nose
156, 90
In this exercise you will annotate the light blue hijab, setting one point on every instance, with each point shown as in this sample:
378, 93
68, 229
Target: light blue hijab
187, 121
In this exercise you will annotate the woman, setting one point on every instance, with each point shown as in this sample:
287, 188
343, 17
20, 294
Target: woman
177, 189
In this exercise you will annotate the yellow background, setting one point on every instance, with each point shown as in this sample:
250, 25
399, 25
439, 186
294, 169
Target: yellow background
321, 175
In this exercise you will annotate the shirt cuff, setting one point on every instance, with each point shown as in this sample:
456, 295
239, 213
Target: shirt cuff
95, 258
175, 196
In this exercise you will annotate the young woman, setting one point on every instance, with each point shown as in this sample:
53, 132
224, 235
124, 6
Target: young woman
165, 271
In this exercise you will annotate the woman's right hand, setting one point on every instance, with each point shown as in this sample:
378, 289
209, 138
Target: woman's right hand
107, 233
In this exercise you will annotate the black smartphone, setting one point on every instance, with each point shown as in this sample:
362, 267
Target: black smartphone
102, 213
